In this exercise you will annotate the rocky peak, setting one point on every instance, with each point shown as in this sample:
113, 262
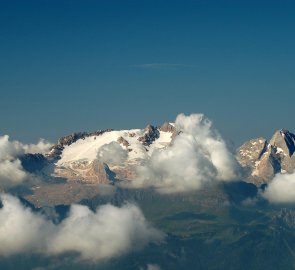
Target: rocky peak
284, 141
151, 133
251, 151
263, 159
69, 139
167, 127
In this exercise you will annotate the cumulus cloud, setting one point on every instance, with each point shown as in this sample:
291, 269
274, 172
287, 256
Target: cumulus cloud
198, 155
108, 232
41, 147
112, 154
20, 229
11, 171
281, 189
10, 150
13, 149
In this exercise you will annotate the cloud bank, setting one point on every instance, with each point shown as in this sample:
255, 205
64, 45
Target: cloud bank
197, 156
281, 189
11, 171
112, 154
12, 149
106, 233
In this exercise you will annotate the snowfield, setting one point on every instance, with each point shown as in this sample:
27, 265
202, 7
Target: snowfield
86, 149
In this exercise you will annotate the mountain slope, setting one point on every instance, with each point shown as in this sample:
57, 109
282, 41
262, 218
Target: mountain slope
75, 156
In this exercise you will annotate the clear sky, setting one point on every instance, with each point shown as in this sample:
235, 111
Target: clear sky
84, 65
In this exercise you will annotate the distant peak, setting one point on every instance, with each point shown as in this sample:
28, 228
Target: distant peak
285, 140
167, 127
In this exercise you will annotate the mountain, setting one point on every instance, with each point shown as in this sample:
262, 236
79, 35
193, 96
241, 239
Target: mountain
80, 160
263, 159
227, 221
72, 168
75, 156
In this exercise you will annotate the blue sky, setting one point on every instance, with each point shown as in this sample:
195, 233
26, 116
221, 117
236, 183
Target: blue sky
70, 66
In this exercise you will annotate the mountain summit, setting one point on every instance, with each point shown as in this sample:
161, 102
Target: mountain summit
263, 159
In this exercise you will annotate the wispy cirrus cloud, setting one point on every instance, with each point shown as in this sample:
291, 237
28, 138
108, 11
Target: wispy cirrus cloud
162, 66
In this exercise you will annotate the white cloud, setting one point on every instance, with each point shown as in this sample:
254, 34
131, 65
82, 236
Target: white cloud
112, 154
13, 149
11, 171
41, 147
10, 150
110, 231
197, 155
281, 189
20, 229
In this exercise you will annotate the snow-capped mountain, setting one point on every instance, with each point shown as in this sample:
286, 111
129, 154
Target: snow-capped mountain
75, 157
109, 155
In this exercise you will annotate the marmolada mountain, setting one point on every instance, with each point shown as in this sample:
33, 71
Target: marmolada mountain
207, 206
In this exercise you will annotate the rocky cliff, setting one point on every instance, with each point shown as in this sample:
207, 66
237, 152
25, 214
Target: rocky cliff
262, 159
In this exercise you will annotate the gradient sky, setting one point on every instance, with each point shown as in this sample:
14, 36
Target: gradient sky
85, 65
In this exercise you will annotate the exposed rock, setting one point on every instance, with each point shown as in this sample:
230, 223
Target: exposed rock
263, 159
251, 151
123, 141
284, 144
285, 140
167, 127
151, 133
125, 173
94, 172
69, 139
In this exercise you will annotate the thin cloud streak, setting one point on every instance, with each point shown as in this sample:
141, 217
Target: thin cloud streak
162, 66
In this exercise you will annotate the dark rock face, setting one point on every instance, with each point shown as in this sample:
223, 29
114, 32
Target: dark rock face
69, 139
263, 159
151, 133
33, 162
285, 140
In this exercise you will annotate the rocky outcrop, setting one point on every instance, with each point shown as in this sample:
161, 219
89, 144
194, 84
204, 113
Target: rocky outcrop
123, 141
151, 133
262, 159
93, 172
167, 127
